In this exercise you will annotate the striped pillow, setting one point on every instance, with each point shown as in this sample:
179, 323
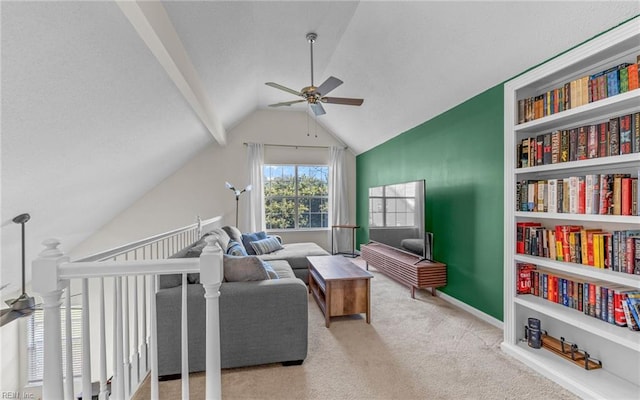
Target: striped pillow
266, 246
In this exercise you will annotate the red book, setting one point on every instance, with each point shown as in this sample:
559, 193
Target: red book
581, 195
592, 141
603, 139
592, 299
564, 231
524, 278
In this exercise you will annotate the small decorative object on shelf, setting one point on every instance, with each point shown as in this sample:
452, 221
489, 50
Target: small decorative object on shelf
563, 348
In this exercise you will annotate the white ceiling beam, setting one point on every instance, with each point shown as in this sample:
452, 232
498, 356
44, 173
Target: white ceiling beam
152, 23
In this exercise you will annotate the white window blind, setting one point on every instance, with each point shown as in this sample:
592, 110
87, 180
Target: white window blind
35, 348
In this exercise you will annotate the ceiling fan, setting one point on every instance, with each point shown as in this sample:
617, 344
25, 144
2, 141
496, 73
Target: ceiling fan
24, 305
313, 95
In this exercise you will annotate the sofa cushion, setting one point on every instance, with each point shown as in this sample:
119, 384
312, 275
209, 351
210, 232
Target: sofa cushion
270, 271
244, 269
247, 238
282, 268
223, 238
236, 249
266, 246
296, 254
234, 233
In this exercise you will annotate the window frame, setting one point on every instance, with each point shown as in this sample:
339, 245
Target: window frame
296, 197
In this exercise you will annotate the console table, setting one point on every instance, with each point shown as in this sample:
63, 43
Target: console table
405, 268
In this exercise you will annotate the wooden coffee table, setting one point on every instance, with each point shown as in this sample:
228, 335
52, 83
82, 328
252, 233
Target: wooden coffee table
339, 286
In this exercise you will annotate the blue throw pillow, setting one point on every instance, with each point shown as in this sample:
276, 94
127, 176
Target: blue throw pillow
266, 246
247, 238
236, 249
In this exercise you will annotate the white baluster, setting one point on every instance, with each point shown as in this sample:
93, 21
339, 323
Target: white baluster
211, 278
135, 357
103, 346
143, 346
119, 365
68, 379
153, 341
185, 341
114, 365
48, 285
126, 350
87, 390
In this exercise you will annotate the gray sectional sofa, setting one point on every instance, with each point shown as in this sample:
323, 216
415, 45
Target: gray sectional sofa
261, 321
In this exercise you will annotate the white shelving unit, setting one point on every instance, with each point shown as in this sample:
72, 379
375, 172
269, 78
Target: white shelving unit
617, 347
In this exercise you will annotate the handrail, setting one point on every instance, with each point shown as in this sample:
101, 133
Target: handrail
116, 251
96, 269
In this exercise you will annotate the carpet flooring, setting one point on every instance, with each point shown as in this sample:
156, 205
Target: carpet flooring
422, 348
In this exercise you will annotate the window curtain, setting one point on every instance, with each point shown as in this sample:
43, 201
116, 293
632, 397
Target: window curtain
338, 197
255, 156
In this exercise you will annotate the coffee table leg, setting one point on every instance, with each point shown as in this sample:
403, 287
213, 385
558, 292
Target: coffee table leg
368, 301
327, 306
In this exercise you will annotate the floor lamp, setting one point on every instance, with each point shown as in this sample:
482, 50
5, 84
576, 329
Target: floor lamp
237, 193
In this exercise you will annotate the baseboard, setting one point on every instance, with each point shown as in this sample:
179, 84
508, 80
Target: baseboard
485, 317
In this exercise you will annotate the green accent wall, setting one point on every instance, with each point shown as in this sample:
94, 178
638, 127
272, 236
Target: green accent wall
460, 155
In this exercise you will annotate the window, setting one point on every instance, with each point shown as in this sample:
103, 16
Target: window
296, 196
35, 346
393, 205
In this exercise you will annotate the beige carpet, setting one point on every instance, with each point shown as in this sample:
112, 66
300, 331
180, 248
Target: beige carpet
413, 349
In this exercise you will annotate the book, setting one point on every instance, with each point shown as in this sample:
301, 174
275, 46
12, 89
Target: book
552, 195
614, 137
592, 141
546, 149
539, 149
555, 147
573, 144
632, 74
635, 134
564, 145
592, 194
581, 152
603, 139
624, 127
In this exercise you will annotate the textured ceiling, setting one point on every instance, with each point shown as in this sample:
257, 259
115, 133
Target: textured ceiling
91, 121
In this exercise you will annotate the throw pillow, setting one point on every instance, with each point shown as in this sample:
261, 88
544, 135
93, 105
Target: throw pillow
266, 246
269, 268
223, 238
244, 269
234, 233
236, 249
247, 238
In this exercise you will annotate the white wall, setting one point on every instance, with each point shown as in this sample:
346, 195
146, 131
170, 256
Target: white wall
198, 187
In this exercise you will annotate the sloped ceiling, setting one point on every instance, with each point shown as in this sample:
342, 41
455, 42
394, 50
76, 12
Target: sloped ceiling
91, 121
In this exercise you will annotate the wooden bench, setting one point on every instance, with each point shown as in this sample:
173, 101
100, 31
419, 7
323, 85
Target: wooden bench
405, 268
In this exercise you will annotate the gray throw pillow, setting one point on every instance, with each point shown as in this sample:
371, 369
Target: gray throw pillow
266, 246
234, 233
244, 269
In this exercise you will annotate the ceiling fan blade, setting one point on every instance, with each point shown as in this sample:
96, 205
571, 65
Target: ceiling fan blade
331, 83
9, 315
342, 100
287, 103
286, 89
317, 109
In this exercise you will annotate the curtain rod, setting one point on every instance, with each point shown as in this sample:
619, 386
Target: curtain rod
296, 146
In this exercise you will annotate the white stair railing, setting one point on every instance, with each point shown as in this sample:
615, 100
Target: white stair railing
133, 356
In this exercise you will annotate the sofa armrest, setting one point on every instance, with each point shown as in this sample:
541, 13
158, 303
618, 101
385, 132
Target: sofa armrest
277, 237
263, 322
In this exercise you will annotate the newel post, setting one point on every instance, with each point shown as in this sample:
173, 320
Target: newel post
211, 278
47, 284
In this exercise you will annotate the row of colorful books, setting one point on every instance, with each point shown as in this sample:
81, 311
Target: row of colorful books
615, 304
616, 251
616, 136
584, 90
603, 194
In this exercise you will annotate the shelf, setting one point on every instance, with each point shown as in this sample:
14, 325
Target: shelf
620, 278
620, 104
596, 384
618, 334
613, 219
626, 161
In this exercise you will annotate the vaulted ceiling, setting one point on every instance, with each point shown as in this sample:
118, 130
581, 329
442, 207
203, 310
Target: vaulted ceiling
92, 119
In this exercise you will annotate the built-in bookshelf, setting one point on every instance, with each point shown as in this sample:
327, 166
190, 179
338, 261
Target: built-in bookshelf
550, 84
